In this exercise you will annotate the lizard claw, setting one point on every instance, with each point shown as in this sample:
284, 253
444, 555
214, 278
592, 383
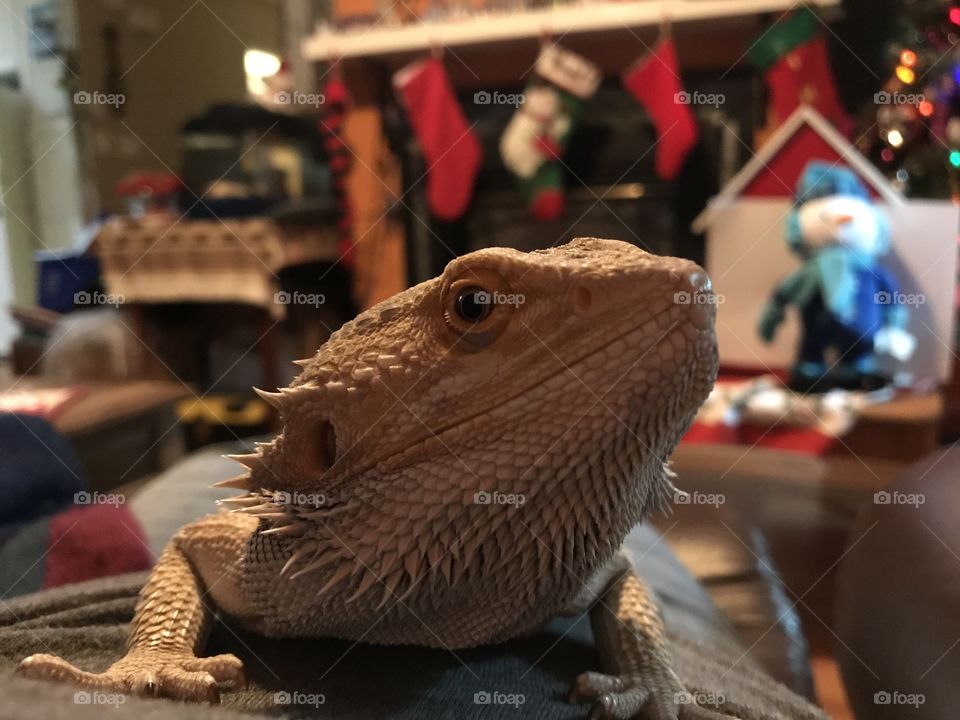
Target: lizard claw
151, 673
613, 697
636, 698
223, 668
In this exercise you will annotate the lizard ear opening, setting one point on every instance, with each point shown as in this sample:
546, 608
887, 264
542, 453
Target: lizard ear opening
324, 445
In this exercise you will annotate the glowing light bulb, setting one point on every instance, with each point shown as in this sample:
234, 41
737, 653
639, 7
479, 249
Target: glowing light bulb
908, 58
955, 158
258, 63
895, 138
925, 108
887, 155
954, 15
905, 74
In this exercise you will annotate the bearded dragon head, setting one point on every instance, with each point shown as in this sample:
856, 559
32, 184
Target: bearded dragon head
561, 376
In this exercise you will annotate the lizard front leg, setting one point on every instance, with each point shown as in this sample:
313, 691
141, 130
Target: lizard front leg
172, 618
633, 648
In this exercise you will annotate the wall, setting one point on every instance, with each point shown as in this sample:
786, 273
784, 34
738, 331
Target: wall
17, 215
172, 59
47, 129
39, 177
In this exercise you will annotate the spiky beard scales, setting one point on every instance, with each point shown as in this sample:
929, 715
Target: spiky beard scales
424, 561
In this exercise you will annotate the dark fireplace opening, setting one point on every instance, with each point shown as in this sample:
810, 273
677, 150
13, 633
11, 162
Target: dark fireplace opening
610, 183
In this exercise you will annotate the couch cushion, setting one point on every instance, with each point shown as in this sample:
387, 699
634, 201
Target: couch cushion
730, 556
898, 597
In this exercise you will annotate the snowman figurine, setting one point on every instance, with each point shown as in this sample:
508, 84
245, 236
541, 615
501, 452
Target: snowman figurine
850, 306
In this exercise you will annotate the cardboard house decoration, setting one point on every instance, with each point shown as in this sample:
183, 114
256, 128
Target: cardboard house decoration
747, 253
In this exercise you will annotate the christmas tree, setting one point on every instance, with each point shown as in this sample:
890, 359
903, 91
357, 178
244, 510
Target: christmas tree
912, 129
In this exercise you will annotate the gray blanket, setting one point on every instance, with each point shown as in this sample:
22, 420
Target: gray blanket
525, 678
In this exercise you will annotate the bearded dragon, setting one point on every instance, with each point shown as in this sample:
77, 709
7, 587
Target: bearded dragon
456, 466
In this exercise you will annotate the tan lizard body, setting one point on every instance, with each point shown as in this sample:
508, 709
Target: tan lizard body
457, 465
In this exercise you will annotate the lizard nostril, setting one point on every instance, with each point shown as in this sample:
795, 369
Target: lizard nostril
698, 291
699, 281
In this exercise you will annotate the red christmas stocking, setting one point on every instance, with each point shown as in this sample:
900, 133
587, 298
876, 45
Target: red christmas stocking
449, 145
793, 54
654, 82
803, 76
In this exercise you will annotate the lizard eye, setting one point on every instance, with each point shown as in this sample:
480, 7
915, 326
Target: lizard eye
472, 308
473, 304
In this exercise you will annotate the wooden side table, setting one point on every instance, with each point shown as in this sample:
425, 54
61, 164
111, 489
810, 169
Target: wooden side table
886, 438
165, 259
906, 428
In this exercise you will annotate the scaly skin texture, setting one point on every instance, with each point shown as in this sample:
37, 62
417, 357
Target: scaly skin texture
455, 469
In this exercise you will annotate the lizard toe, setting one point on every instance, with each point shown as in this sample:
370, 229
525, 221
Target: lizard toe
150, 674
163, 675
196, 685
625, 705
591, 685
638, 698
613, 697
224, 668
50, 667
